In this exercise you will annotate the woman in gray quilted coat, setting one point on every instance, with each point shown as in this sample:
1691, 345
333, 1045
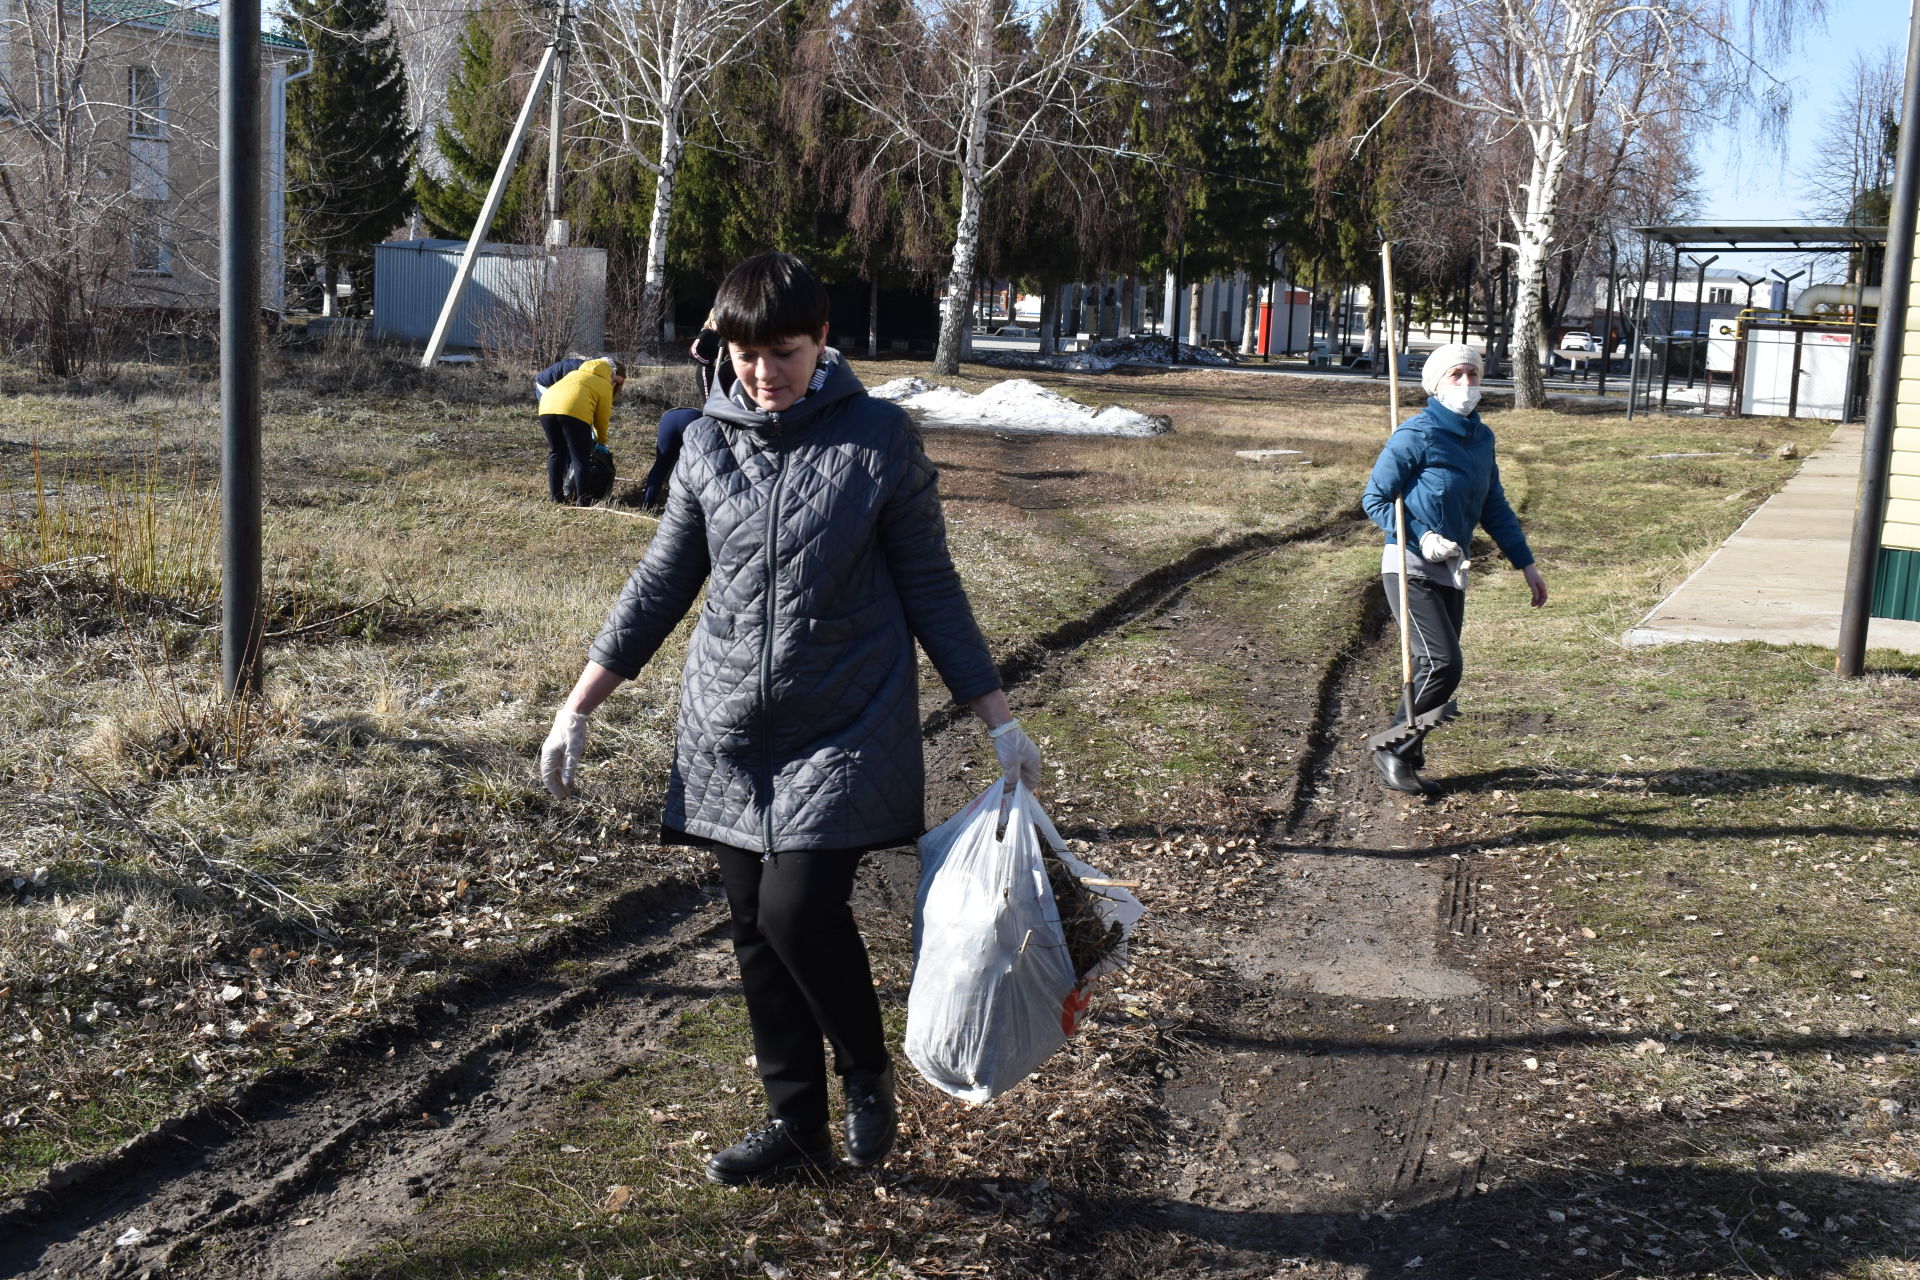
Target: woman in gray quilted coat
809, 512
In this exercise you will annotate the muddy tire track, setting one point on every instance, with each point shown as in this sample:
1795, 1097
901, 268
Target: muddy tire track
265, 1177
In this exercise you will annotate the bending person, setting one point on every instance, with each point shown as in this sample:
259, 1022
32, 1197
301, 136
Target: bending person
574, 414
809, 512
1441, 461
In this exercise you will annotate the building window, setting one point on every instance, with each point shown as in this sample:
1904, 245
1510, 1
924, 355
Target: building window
146, 103
1720, 295
147, 236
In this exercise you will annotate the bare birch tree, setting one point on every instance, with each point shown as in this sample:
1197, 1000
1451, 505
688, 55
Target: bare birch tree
643, 71
428, 33
956, 90
1851, 175
1545, 70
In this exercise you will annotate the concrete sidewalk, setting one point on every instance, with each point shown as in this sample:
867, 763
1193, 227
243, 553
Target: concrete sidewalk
1780, 578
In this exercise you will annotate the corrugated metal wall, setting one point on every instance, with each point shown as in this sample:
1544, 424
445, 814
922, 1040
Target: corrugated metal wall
411, 279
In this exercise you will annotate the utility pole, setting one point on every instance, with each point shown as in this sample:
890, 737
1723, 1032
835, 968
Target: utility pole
1876, 451
557, 231
241, 625
1606, 328
495, 194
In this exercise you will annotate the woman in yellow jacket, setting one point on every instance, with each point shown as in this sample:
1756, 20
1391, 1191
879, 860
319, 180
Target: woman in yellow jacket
574, 413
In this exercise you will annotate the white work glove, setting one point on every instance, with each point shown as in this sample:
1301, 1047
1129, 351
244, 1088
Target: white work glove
560, 753
1018, 756
1435, 547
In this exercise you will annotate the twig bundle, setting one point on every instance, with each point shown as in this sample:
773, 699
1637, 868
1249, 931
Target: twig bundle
1091, 935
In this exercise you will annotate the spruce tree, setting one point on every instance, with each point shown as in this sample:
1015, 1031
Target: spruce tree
482, 103
349, 148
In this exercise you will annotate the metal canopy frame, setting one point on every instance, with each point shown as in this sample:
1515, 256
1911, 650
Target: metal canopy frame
1764, 239
1729, 238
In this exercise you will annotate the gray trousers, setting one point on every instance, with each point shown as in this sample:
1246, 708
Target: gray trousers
1437, 613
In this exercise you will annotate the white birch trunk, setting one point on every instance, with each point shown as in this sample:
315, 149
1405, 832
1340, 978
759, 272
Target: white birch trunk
973, 173
1532, 244
1250, 330
653, 290
1193, 315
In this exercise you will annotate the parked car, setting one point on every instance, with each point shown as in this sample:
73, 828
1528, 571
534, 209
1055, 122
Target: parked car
1578, 340
1015, 331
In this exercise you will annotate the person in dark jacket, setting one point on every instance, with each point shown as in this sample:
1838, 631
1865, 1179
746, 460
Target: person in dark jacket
554, 372
810, 513
1441, 461
705, 351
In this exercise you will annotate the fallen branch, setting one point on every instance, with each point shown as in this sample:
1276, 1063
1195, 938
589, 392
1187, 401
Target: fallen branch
324, 623
631, 515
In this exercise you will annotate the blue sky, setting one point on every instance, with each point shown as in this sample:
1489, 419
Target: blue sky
1751, 183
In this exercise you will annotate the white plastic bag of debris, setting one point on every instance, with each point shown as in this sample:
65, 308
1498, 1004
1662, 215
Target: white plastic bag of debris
1008, 929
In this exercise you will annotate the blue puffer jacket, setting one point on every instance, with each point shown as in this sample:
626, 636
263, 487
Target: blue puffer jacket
1444, 465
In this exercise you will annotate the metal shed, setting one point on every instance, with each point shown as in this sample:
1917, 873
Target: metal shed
520, 295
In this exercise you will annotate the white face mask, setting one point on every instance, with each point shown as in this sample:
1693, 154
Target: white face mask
1459, 399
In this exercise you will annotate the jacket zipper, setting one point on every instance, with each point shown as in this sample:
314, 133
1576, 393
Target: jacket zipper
766, 644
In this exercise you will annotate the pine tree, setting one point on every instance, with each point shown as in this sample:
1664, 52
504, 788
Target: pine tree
349, 148
482, 103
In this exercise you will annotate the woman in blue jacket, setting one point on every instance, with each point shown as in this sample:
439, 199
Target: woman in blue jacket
1441, 461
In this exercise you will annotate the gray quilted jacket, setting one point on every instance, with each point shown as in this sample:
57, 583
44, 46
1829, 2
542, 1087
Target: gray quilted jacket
819, 535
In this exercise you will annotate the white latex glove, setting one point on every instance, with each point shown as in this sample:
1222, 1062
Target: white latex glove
1435, 547
560, 753
1018, 756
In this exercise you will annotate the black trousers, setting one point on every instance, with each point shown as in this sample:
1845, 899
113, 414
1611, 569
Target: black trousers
1437, 612
569, 450
804, 967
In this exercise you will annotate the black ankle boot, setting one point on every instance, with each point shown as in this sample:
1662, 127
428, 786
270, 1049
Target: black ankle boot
872, 1117
1397, 774
767, 1151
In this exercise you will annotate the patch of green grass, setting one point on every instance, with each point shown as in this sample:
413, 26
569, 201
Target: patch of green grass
620, 1189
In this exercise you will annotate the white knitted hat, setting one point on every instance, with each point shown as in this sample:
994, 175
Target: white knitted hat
1442, 361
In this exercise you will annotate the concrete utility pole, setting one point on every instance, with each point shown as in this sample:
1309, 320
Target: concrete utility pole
241, 625
1896, 280
495, 193
557, 230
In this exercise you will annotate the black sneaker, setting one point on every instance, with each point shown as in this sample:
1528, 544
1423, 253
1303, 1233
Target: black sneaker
774, 1149
872, 1117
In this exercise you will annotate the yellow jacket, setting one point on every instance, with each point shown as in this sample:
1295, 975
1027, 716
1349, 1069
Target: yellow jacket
586, 394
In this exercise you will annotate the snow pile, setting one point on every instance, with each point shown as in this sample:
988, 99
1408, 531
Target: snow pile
1110, 353
1014, 405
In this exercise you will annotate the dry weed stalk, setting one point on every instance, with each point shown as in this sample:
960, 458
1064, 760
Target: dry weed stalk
206, 870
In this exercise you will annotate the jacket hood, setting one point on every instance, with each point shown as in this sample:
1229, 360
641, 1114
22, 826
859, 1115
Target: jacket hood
841, 384
597, 368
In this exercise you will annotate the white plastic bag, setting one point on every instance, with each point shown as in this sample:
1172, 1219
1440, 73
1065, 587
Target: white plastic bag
994, 990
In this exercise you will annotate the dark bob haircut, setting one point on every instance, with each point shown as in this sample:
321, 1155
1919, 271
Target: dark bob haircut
768, 297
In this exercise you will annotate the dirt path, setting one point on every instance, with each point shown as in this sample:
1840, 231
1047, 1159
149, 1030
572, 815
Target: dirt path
1327, 1079
1334, 1077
